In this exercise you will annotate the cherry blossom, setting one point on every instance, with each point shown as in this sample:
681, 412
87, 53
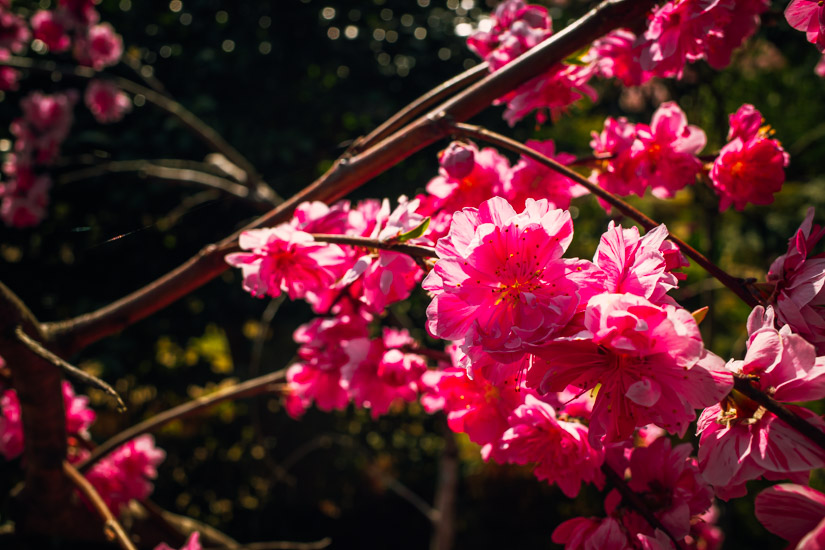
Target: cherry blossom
50, 28
739, 440
500, 280
14, 33
531, 179
192, 543
550, 94
797, 284
100, 48
616, 55
794, 512
614, 145
664, 153
808, 16
24, 199
516, 28
107, 102
751, 167
648, 358
124, 474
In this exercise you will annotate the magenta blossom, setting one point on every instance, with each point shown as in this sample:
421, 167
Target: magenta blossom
797, 279
500, 280
317, 377
550, 94
739, 440
192, 543
107, 102
124, 474
794, 512
614, 145
616, 55
50, 28
637, 265
14, 33
516, 28
284, 259
808, 16
530, 179
664, 153
560, 449
648, 358
751, 167
24, 198
101, 47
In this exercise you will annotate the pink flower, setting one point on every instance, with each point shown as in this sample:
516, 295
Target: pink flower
324, 352
550, 93
14, 33
516, 28
819, 70
500, 280
100, 48
649, 360
739, 440
81, 13
798, 280
78, 419
50, 28
808, 16
9, 78
24, 198
284, 259
192, 543
467, 177
11, 425
124, 474
664, 153
636, 265
380, 372
616, 55
590, 534
751, 167
530, 179
107, 102
614, 145
795, 513
559, 449
45, 124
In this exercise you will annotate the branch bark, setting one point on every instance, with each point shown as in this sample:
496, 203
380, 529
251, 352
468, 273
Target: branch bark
347, 174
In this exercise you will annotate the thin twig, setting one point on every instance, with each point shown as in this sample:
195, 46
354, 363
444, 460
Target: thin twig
742, 384
111, 527
199, 128
70, 369
414, 250
446, 492
635, 501
736, 285
249, 388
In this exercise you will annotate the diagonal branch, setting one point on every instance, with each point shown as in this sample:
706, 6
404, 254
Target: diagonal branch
736, 285
347, 174
111, 527
249, 388
414, 250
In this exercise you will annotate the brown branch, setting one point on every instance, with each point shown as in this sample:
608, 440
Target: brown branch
738, 286
414, 250
249, 388
150, 169
445, 493
635, 501
347, 174
111, 527
420, 106
208, 135
67, 367
742, 384
278, 545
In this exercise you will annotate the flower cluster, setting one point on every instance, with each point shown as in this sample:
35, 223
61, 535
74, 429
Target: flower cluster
107, 102
118, 477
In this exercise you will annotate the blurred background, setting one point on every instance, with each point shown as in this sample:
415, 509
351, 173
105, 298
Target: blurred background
289, 84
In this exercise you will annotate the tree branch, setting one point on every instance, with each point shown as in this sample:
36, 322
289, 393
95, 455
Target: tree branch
111, 527
414, 250
249, 388
38, 349
347, 174
738, 286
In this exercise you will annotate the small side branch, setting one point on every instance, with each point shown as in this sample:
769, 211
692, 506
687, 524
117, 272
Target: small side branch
742, 384
738, 286
70, 369
414, 250
634, 500
249, 388
111, 527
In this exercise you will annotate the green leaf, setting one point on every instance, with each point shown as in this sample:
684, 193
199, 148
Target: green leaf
699, 314
576, 57
415, 232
